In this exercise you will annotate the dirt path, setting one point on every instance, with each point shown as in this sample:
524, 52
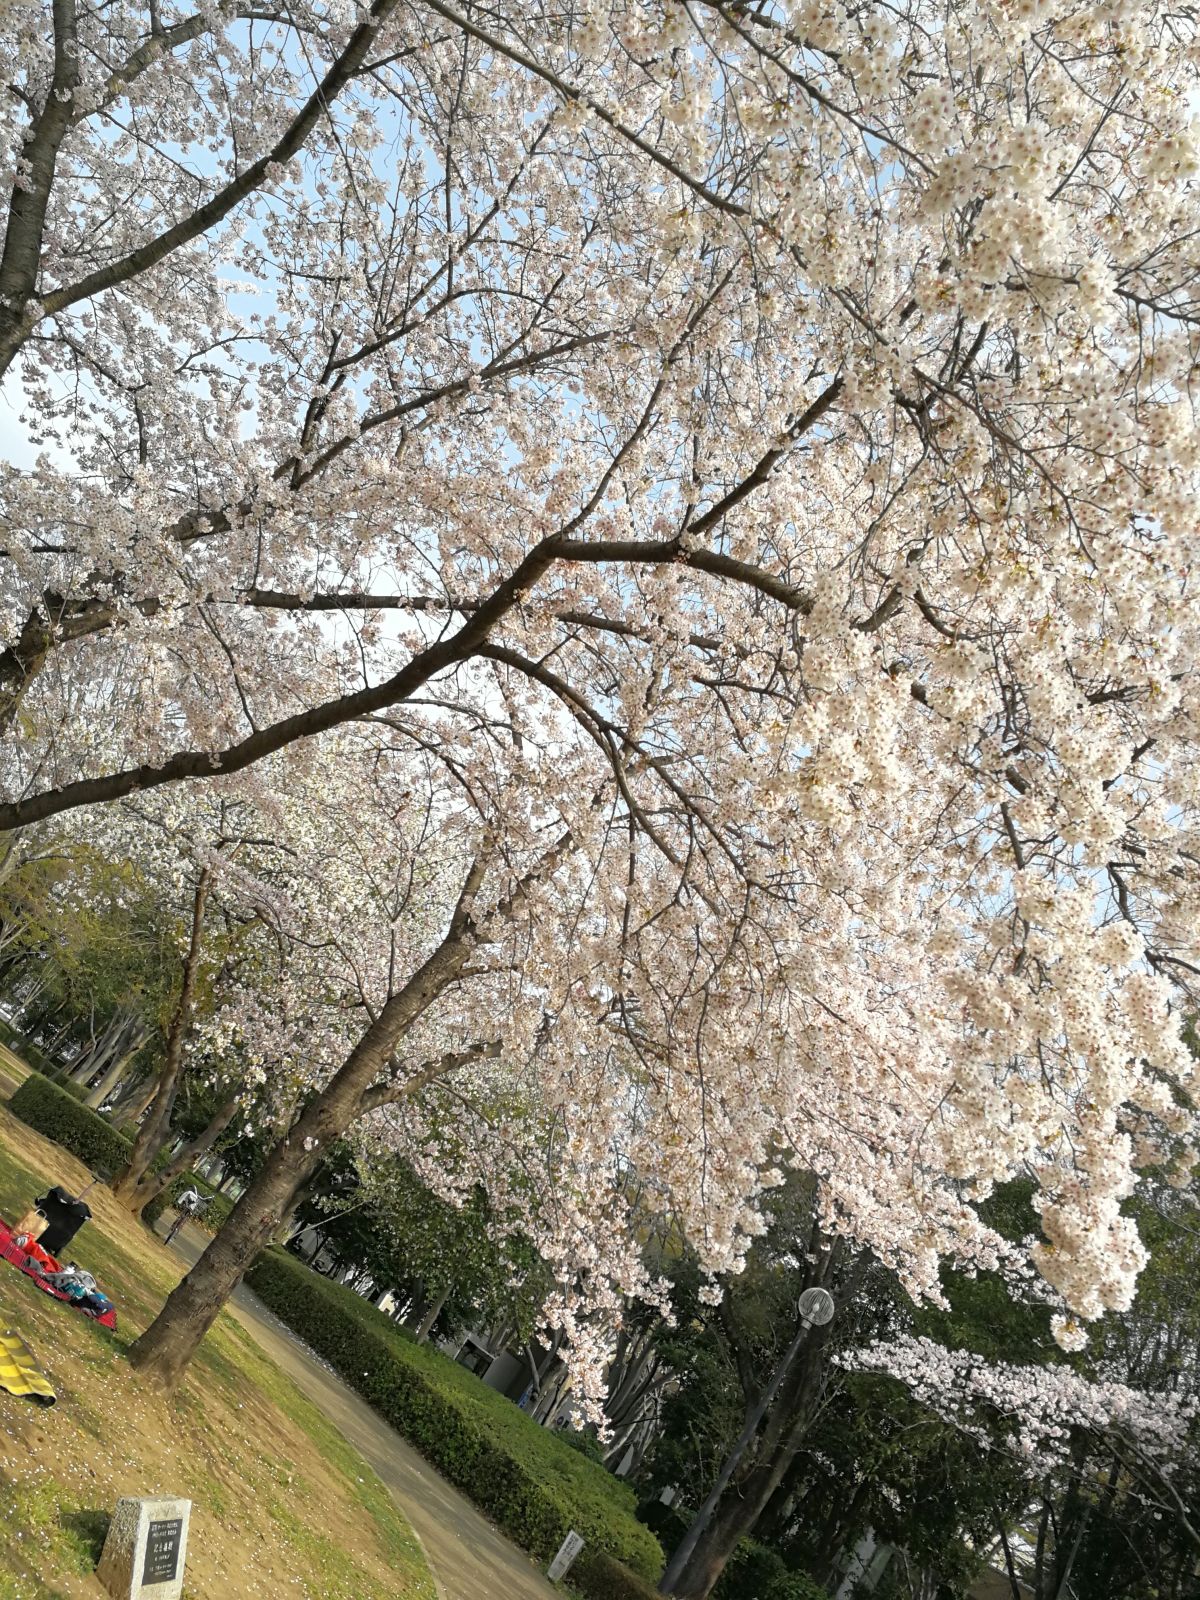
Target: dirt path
469, 1558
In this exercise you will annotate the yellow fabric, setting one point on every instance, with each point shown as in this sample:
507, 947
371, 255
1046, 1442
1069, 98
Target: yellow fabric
20, 1373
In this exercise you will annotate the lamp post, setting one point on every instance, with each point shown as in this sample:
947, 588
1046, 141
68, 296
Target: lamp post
816, 1308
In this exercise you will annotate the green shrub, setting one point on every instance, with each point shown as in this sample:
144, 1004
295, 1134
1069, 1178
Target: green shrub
585, 1442
526, 1478
795, 1586
756, 1572
752, 1572
51, 1110
599, 1576
667, 1523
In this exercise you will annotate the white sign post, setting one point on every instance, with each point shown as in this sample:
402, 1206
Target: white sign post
568, 1550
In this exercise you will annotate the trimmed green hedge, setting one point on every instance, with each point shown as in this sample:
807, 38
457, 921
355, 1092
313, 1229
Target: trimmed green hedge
524, 1477
756, 1572
46, 1107
599, 1576
796, 1586
51, 1110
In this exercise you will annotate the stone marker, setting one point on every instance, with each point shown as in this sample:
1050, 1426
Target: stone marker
567, 1551
145, 1549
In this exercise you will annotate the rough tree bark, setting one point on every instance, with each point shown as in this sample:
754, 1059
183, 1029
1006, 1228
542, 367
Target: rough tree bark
153, 1132
434, 1311
836, 1533
708, 1544
93, 1055
134, 1102
119, 1068
539, 1368
108, 1083
752, 1487
636, 1381
364, 1082
168, 1344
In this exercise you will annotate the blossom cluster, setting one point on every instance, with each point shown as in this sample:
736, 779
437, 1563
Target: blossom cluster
730, 473
1034, 1410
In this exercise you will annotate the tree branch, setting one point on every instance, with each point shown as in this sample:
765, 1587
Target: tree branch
389, 1091
31, 188
222, 203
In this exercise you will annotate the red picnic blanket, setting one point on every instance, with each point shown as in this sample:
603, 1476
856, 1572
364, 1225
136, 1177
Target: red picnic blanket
35, 1266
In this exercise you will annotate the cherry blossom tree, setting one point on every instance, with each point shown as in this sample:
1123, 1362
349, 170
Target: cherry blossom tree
222, 973
1038, 1404
1092, 1431
738, 462
1082, 1465
288, 911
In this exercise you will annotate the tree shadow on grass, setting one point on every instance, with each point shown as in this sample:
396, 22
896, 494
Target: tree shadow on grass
88, 1530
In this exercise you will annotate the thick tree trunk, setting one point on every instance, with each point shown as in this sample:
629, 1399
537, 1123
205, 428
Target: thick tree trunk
501, 1334
775, 1428
836, 1534
427, 1321
735, 1518
117, 1071
744, 1503
540, 1370
109, 1083
122, 1037
82, 1065
416, 1307
553, 1394
289, 1228
780, 1514
155, 1130
93, 1055
168, 1344
134, 1102
752, 1487
635, 1383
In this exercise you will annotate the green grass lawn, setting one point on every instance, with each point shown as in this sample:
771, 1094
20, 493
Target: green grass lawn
282, 1505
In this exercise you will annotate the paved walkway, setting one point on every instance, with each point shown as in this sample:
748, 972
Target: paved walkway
470, 1560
